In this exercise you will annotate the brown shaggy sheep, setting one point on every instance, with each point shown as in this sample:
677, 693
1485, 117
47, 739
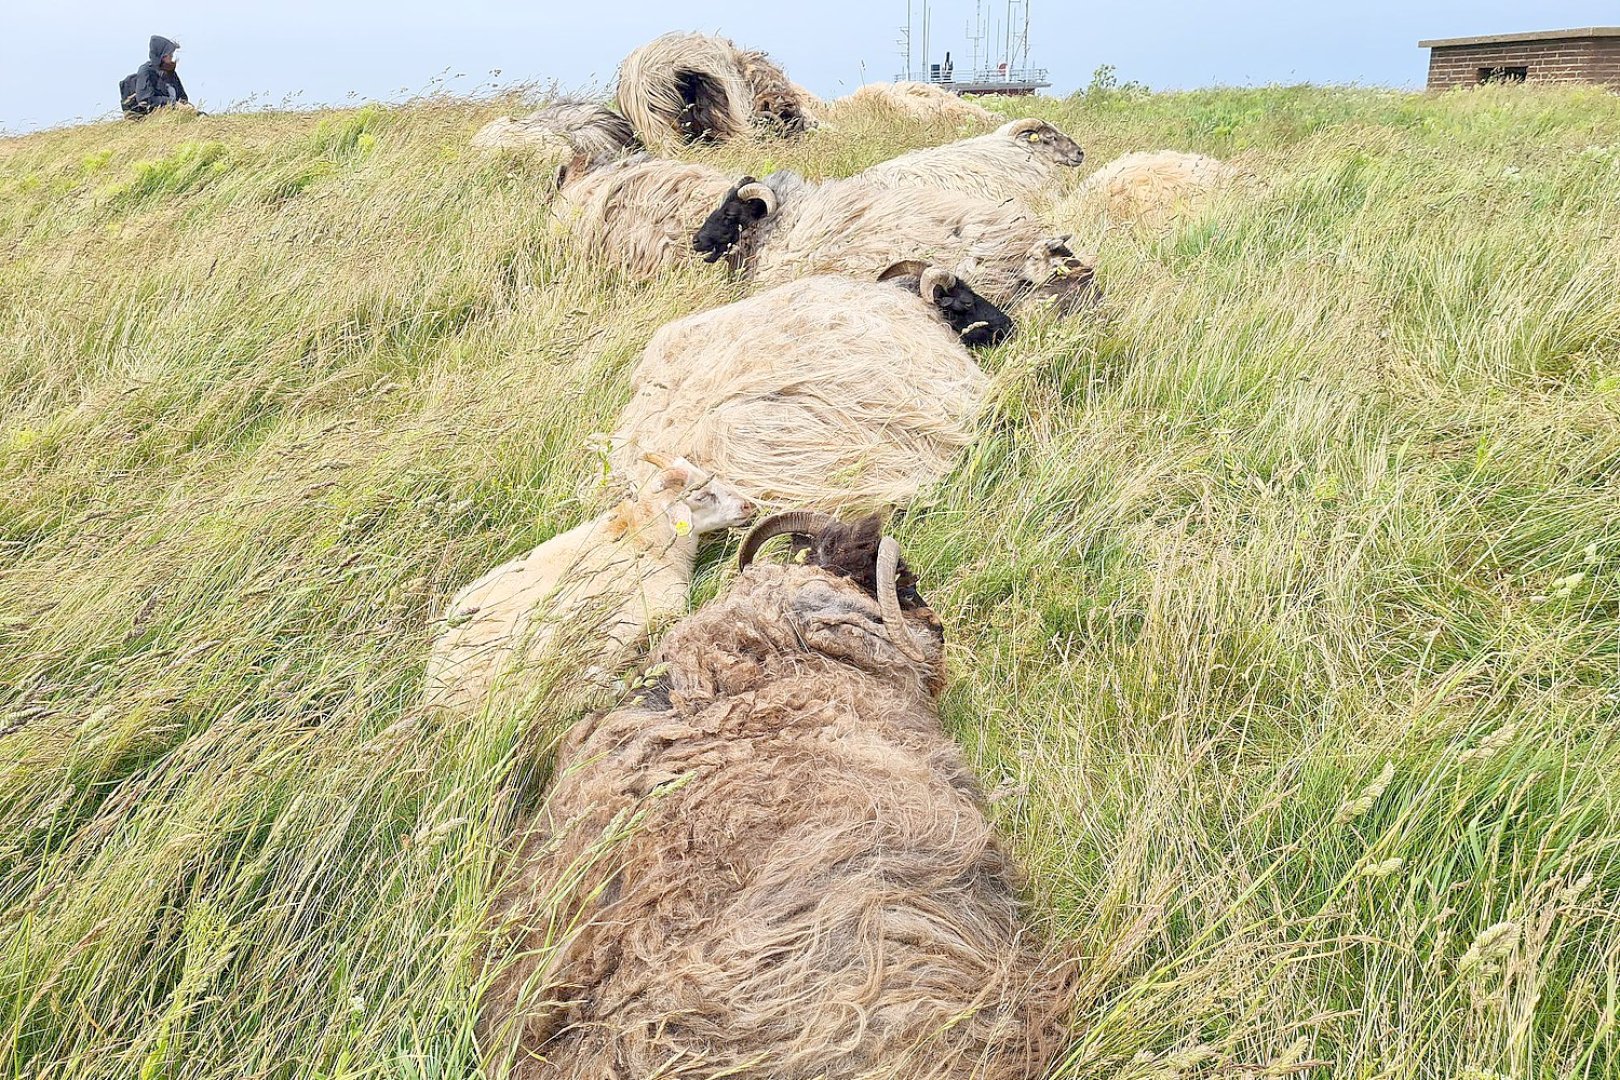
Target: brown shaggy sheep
776, 864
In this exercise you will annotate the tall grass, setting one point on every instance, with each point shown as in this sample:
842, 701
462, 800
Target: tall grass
1284, 594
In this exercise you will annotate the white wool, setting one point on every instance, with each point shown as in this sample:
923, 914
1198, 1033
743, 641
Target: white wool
860, 228
825, 393
1002, 165
1150, 189
921, 100
638, 215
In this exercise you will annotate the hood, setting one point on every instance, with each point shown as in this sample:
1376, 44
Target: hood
160, 47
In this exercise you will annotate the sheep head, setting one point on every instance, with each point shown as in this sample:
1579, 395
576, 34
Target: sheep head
1052, 272
977, 321
745, 205
694, 500
860, 553
1040, 136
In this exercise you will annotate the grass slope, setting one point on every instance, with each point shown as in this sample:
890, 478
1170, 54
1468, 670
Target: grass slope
1285, 596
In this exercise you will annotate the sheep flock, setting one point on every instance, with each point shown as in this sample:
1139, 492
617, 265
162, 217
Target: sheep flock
766, 857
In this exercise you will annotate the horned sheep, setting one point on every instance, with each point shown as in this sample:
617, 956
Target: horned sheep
859, 228
828, 392
686, 88
569, 126
775, 863
592, 591
1013, 162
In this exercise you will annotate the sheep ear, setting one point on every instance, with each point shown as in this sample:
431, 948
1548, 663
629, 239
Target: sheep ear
578, 167
1059, 245
674, 478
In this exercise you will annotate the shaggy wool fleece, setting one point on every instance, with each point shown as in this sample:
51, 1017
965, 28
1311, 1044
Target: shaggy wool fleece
637, 215
827, 392
777, 865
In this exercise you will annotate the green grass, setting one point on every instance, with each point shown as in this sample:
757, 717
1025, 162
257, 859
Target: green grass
1284, 594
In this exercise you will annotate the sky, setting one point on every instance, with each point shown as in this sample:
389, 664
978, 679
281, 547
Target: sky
65, 57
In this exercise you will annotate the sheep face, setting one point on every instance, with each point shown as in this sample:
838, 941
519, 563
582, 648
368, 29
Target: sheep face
1053, 273
695, 500
1042, 137
977, 322
744, 206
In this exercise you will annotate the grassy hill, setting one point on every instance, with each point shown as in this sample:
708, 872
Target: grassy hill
1284, 594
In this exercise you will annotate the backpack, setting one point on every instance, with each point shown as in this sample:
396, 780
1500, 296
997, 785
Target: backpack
126, 91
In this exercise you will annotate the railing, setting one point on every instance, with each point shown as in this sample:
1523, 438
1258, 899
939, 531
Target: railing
947, 76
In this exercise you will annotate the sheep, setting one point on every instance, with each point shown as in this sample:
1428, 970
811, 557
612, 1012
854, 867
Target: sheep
828, 391
574, 126
597, 588
775, 863
1150, 189
923, 101
1012, 162
858, 227
636, 214
686, 88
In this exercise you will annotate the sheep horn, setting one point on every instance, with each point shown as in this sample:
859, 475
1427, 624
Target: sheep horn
894, 620
806, 522
904, 268
759, 191
1024, 126
657, 460
935, 281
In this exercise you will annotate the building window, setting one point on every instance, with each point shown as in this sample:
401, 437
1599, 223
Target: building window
1503, 74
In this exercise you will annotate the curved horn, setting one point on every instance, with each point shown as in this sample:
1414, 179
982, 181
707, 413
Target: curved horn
904, 268
894, 620
759, 191
935, 281
1023, 127
808, 522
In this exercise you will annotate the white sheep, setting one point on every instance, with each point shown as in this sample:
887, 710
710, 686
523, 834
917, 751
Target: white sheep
775, 233
827, 392
1015, 161
922, 101
590, 593
572, 126
637, 214
1149, 189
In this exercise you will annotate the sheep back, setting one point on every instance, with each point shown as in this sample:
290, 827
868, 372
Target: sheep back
779, 865
859, 228
578, 126
1150, 189
638, 215
828, 392
990, 166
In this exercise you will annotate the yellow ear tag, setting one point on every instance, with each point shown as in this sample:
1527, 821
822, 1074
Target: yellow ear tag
683, 518
1034, 136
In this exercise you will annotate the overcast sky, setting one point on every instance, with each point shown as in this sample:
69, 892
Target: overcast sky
65, 57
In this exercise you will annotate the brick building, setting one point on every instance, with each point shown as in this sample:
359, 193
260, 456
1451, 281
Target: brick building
1591, 56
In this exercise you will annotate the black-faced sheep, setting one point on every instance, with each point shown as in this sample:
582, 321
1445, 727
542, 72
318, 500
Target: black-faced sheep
573, 127
1015, 161
827, 392
594, 590
859, 228
776, 864
686, 88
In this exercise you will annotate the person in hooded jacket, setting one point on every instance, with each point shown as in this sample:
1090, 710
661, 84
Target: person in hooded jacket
155, 84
